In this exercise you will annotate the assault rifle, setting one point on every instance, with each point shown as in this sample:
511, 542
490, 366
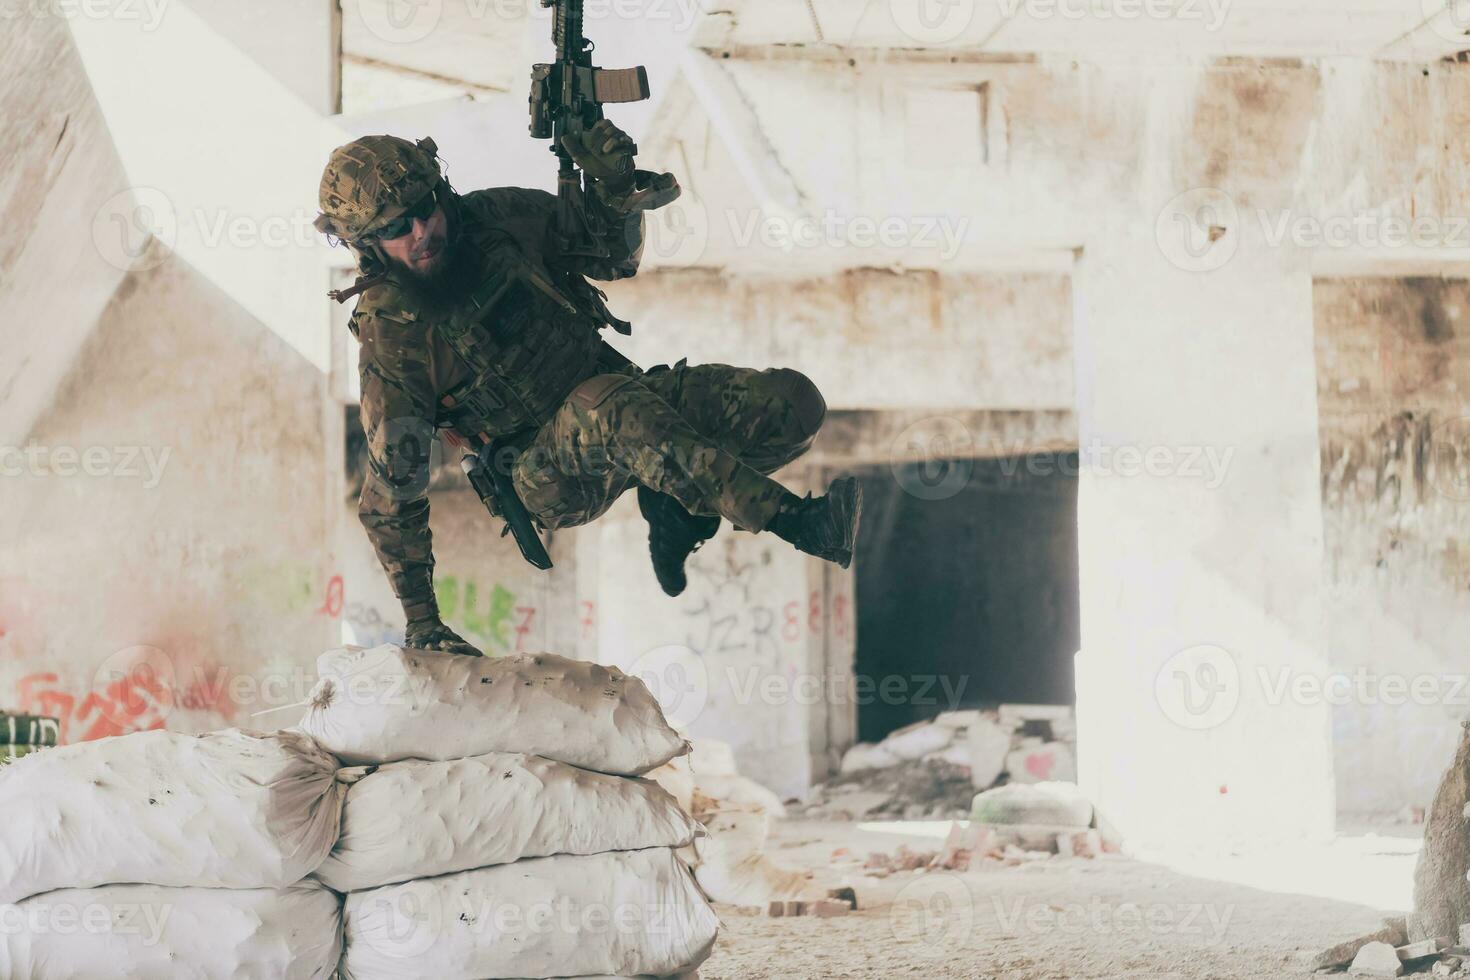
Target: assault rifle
567, 97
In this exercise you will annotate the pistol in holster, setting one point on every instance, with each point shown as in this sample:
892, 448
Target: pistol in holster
488, 469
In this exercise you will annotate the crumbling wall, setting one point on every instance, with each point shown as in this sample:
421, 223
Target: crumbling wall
168, 529
1393, 359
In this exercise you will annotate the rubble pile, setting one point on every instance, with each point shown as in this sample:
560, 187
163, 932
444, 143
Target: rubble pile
1387, 952
478, 802
930, 770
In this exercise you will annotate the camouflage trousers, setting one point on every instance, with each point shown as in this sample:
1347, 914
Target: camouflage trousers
705, 435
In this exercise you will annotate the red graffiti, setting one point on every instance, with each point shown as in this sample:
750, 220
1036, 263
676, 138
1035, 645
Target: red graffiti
589, 617
528, 613
332, 606
791, 625
814, 611
839, 615
136, 702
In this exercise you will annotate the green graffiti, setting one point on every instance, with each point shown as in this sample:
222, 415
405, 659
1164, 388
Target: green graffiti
459, 606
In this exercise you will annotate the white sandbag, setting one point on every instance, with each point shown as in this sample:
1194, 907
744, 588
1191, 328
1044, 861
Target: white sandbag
625, 913
415, 819
228, 809
391, 703
146, 932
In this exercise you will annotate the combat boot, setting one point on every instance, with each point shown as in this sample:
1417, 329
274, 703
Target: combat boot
826, 526
673, 535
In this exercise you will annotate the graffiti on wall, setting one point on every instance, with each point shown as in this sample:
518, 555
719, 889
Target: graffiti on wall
494, 617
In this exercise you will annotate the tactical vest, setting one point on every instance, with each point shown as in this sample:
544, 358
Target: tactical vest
527, 343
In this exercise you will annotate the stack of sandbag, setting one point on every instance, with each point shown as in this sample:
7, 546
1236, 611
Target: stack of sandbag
498, 828
162, 854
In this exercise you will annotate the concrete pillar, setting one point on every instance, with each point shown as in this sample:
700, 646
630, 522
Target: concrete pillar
1200, 534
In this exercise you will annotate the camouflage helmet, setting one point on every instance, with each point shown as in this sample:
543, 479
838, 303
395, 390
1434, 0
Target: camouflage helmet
373, 180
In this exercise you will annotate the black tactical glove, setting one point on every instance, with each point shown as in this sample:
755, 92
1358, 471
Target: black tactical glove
430, 633
605, 153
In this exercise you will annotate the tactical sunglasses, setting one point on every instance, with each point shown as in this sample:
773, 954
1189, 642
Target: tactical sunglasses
403, 224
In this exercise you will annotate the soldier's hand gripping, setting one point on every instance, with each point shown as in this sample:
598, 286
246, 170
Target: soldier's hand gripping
432, 634
605, 152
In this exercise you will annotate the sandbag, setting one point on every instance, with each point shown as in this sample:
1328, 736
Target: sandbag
146, 932
415, 819
229, 809
623, 914
391, 703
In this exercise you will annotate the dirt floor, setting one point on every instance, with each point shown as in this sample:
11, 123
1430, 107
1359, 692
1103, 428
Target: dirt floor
1112, 917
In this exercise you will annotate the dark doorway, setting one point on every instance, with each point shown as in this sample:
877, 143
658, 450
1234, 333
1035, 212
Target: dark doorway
967, 583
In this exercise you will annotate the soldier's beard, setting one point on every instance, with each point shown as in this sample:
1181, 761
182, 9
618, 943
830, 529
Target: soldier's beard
444, 285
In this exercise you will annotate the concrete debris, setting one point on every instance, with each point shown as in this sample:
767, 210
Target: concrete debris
1393, 933
915, 767
846, 894
988, 745
929, 789
1055, 803
1041, 761
1421, 949
1376, 960
1080, 843
822, 908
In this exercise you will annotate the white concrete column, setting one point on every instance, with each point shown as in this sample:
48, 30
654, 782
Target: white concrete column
1200, 537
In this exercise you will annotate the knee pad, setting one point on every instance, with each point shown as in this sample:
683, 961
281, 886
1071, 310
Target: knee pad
593, 392
807, 404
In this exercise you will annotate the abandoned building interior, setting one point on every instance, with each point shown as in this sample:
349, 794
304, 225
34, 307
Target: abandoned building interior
1138, 323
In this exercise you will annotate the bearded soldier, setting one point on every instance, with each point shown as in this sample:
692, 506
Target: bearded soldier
476, 320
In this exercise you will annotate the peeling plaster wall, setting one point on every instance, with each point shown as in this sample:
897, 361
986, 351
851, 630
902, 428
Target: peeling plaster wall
1393, 358
59, 170
176, 499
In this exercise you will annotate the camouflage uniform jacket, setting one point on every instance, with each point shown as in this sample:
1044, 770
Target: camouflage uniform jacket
500, 368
